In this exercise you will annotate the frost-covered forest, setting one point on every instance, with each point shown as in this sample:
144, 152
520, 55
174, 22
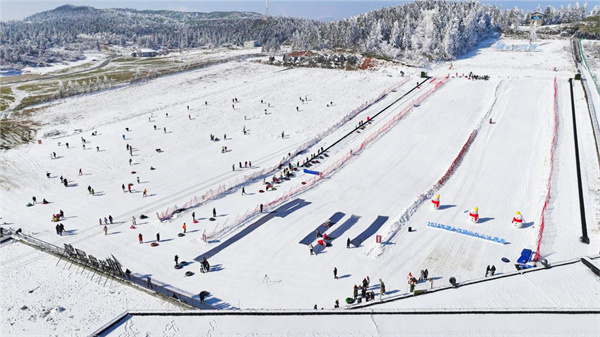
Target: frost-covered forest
424, 29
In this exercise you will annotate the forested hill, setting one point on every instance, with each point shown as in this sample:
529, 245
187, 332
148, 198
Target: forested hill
423, 29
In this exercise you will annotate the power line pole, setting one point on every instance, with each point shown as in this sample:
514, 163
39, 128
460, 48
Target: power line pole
266, 8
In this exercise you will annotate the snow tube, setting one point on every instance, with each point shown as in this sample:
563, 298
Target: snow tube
133, 172
178, 266
153, 244
143, 216
349, 300
261, 191
195, 221
29, 204
212, 219
180, 234
304, 183
505, 259
189, 273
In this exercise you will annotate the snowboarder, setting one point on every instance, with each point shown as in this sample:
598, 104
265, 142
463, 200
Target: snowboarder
310, 247
348, 243
518, 220
214, 212
335, 273
105, 230
140, 238
184, 227
176, 259
436, 201
474, 214
157, 237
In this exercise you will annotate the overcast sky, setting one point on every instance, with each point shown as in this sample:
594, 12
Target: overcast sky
312, 9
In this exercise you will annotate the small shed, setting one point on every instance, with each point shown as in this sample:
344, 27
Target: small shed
251, 44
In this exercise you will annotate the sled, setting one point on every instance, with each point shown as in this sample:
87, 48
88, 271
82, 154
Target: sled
195, 221
189, 273
181, 234
153, 244
211, 219
505, 260
178, 266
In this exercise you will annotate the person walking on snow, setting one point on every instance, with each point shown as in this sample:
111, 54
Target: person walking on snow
110, 219
348, 243
193, 216
157, 237
214, 212
105, 230
310, 247
133, 220
140, 238
176, 259
80, 172
335, 273
144, 193
138, 180
184, 227
243, 191
100, 221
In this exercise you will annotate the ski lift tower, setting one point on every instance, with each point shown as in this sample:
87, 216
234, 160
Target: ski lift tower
536, 20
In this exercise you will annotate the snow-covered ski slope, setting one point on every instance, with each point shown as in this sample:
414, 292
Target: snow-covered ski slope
444, 137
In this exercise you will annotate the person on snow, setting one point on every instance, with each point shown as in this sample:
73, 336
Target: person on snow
110, 219
193, 216
487, 271
100, 221
436, 201
80, 172
261, 208
518, 220
133, 220
105, 221
355, 291
335, 273
184, 227
348, 243
490, 121
214, 212
123, 187
144, 193
129, 188
474, 214
105, 230
140, 238
44, 201
57, 229
157, 237
176, 259
61, 229
337, 304
381, 288
62, 214
243, 191
138, 180
310, 247
493, 270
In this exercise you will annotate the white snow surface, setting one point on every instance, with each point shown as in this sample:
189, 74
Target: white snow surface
505, 169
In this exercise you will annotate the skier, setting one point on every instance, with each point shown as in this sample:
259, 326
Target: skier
140, 238
493, 270
335, 273
474, 214
436, 201
282, 134
176, 259
381, 288
67, 144
105, 230
129, 188
184, 227
214, 212
123, 137
518, 220
165, 129
240, 164
97, 148
130, 160
233, 167
487, 271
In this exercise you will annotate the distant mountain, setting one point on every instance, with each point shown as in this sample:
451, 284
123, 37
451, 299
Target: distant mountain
423, 30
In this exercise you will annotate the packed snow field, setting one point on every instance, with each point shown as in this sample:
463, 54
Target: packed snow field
160, 133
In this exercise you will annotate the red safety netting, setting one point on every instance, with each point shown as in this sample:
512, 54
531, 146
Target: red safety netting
536, 256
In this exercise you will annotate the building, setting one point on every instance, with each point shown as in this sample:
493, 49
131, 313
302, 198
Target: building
144, 53
251, 44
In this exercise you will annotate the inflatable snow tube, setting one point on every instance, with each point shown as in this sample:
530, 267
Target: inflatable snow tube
212, 219
178, 266
349, 300
153, 244
181, 234
189, 273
